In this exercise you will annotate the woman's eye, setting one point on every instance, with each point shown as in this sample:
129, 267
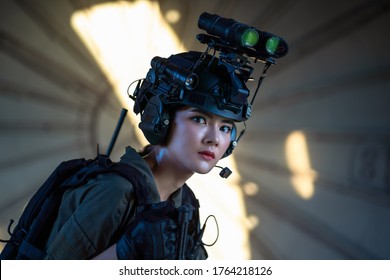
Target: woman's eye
226, 129
199, 119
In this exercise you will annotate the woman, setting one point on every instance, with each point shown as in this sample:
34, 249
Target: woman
189, 104
190, 131
197, 142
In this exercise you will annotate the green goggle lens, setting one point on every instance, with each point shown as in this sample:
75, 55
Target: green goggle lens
272, 45
249, 38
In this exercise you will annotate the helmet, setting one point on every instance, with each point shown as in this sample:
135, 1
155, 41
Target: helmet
220, 90
192, 79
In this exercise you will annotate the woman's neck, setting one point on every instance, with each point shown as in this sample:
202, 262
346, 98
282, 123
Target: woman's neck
168, 176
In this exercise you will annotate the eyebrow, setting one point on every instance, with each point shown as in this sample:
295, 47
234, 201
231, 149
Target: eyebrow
210, 115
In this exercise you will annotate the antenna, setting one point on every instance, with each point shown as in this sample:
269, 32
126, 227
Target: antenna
116, 131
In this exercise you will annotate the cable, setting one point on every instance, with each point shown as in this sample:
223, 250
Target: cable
204, 227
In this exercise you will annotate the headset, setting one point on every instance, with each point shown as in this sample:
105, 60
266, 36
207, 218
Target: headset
213, 81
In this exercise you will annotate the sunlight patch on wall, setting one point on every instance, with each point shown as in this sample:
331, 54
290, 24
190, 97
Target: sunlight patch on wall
123, 37
172, 16
298, 161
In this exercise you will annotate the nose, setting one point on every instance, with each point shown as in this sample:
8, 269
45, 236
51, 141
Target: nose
211, 136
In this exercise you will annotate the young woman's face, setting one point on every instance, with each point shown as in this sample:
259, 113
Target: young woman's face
198, 139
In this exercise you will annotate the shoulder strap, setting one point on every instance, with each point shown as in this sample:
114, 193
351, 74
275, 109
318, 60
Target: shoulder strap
195, 233
188, 197
104, 165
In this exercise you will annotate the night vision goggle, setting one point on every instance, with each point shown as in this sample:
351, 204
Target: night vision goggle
176, 80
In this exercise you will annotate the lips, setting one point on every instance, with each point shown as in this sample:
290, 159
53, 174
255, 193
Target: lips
207, 155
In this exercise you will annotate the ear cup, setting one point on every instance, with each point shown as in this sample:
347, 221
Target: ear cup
154, 121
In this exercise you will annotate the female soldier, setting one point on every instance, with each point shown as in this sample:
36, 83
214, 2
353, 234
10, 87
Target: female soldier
189, 104
191, 128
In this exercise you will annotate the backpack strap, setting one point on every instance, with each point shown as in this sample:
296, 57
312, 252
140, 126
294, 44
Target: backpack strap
188, 197
195, 244
30, 251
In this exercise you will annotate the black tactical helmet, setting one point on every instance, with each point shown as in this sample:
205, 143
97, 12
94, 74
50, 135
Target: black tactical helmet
193, 79
220, 89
